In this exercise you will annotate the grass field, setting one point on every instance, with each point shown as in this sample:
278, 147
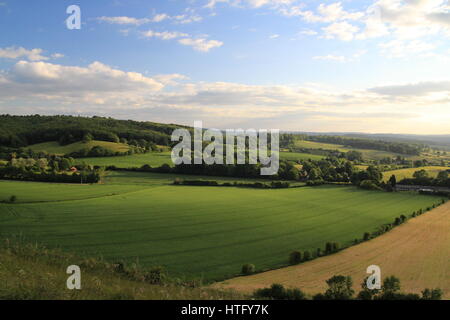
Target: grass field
417, 252
205, 232
409, 172
295, 156
154, 159
55, 148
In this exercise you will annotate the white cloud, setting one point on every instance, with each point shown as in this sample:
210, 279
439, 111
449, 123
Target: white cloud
331, 58
340, 30
340, 58
308, 32
402, 48
414, 89
408, 19
22, 53
325, 13
188, 17
57, 55
165, 35
123, 20
201, 44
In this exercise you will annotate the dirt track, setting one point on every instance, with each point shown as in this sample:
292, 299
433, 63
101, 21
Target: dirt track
418, 252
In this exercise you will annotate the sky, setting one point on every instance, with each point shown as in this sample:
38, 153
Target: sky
380, 66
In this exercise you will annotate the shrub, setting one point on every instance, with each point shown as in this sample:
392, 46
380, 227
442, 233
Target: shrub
339, 288
319, 252
248, 269
366, 236
13, 199
295, 257
278, 292
306, 256
432, 294
369, 185
335, 246
313, 183
155, 275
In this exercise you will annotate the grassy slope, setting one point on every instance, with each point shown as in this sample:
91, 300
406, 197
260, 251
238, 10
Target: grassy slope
417, 252
154, 159
55, 148
409, 172
29, 272
205, 230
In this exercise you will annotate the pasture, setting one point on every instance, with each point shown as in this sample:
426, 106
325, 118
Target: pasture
418, 252
154, 159
207, 232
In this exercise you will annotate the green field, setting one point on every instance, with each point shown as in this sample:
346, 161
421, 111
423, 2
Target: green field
295, 156
154, 159
205, 232
409, 172
55, 148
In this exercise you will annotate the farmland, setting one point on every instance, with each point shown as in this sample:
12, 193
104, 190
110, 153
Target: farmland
207, 232
417, 252
296, 156
409, 172
154, 159
366, 153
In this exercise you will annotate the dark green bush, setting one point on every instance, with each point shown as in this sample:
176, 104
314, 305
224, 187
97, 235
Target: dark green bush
248, 269
295, 257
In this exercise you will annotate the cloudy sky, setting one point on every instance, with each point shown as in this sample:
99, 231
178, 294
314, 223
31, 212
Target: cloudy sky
318, 65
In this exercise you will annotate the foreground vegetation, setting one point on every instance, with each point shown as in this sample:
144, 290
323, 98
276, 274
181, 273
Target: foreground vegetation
32, 272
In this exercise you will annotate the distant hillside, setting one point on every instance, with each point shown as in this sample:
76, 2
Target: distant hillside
53, 147
22, 131
442, 140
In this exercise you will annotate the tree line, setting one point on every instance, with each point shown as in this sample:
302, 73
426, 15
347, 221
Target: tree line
341, 288
21, 131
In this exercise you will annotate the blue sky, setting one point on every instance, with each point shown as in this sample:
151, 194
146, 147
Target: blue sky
372, 66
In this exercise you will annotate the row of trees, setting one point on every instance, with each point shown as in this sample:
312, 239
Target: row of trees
214, 183
341, 288
286, 171
25, 174
50, 169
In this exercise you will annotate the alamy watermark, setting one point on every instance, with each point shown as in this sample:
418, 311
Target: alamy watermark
241, 147
73, 22
74, 280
